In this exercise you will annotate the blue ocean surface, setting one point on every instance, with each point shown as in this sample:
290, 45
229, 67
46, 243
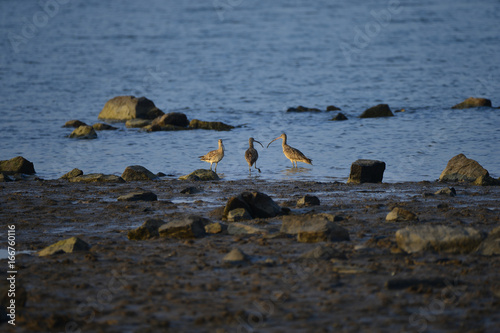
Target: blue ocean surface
245, 62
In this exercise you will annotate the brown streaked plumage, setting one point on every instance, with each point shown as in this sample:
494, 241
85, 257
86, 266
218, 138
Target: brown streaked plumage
293, 154
251, 155
214, 156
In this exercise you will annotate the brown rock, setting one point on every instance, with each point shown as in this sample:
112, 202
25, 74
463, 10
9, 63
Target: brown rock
74, 123
209, 125
332, 108
366, 171
172, 118
122, 108
188, 228
73, 173
103, 127
308, 200
381, 110
83, 132
17, 165
472, 102
259, 205
147, 230
400, 214
312, 228
137, 172
462, 169
69, 245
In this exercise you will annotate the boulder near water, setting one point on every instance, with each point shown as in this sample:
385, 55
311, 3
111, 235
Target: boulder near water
17, 165
463, 169
209, 125
137, 172
122, 108
381, 110
366, 171
473, 102
83, 132
257, 204
172, 118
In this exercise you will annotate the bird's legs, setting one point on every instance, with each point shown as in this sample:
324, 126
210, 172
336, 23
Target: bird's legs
215, 167
255, 165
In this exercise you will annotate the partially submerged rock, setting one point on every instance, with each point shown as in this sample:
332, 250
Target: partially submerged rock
301, 108
69, 245
210, 125
188, 228
137, 172
332, 108
83, 132
97, 177
311, 228
381, 110
122, 108
438, 238
17, 165
72, 174
74, 123
137, 123
366, 171
400, 214
103, 127
473, 102
339, 117
138, 196
463, 169
147, 230
258, 205
201, 174
173, 118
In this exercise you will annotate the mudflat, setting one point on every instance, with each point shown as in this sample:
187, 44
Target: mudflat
184, 285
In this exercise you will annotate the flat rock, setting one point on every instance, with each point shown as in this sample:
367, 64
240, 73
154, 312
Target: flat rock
366, 171
235, 256
473, 102
237, 228
188, 228
69, 245
83, 132
400, 214
215, 228
137, 172
311, 228
17, 165
147, 230
438, 238
332, 108
122, 108
301, 108
463, 169
201, 174
491, 245
97, 177
339, 117
72, 174
104, 127
209, 125
258, 205
308, 200
238, 214
322, 252
74, 123
137, 123
138, 196
172, 118
381, 110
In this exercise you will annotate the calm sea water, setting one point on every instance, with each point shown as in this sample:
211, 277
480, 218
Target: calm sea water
244, 62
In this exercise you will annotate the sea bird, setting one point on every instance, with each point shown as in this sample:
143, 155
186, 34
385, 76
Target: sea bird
214, 156
293, 154
251, 155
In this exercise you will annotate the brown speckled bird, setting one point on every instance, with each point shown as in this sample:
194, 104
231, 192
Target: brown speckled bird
214, 156
293, 154
251, 155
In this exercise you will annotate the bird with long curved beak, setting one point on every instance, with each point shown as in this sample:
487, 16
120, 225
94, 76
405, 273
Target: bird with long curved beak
251, 155
214, 156
293, 154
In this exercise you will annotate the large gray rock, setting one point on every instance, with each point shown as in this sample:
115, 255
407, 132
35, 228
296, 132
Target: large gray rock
209, 125
83, 132
138, 196
472, 102
97, 178
147, 230
69, 245
311, 228
187, 228
137, 172
17, 165
172, 118
122, 108
491, 245
366, 171
438, 238
463, 169
258, 205
201, 174
381, 110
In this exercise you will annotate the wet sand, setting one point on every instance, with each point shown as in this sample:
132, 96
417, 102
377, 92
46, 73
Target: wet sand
172, 285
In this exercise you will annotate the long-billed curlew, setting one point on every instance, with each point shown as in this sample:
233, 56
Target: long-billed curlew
294, 155
214, 156
251, 155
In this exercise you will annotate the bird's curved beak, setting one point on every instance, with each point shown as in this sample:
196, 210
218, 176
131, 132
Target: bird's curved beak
258, 143
273, 141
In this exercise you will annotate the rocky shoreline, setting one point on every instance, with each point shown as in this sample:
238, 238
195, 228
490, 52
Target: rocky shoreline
252, 275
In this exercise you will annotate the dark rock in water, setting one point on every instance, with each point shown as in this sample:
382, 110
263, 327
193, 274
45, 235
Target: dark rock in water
188, 228
17, 165
311, 228
259, 205
403, 283
491, 245
103, 127
147, 230
210, 125
301, 108
201, 174
137, 123
72, 174
235, 256
122, 108
160, 128
339, 117
308, 200
190, 190
447, 191
333, 108
462, 169
323, 253
381, 110
69, 245
400, 214
97, 177
74, 123
473, 102
139, 196
83, 132
366, 171
137, 172
238, 214
172, 118
438, 238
